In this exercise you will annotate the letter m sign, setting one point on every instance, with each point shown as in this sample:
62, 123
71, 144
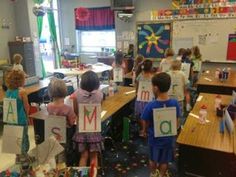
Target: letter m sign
89, 118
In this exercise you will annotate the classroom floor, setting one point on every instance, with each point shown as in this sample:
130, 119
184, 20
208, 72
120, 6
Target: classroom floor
131, 159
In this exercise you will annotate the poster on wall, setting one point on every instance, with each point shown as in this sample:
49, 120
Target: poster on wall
231, 54
153, 39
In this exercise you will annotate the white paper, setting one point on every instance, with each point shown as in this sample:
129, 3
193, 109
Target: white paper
165, 67
10, 111
12, 139
177, 87
145, 93
197, 117
118, 74
56, 126
165, 123
199, 98
103, 114
130, 92
185, 67
207, 79
89, 118
47, 150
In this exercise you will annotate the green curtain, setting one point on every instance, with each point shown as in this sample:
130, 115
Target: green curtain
52, 27
40, 28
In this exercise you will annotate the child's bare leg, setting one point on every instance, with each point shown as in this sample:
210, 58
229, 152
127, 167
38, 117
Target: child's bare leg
94, 158
153, 166
83, 159
163, 169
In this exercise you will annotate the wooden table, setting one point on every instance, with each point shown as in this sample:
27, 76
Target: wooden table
111, 105
97, 68
30, 89
207, 83
203, 149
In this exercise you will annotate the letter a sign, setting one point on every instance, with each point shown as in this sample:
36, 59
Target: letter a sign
89, 118
10, 111
164, 121
118, 74
145, 91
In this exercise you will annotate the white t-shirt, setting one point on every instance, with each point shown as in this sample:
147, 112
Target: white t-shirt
178, 83
165, 64
18, 67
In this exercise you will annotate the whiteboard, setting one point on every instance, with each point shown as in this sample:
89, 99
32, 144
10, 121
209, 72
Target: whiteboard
210, 35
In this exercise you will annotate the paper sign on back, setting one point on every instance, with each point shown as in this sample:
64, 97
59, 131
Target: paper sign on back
118, 74
164, 121
56, 126
12, 139
10, 111
89, 118
145, 93
185, 67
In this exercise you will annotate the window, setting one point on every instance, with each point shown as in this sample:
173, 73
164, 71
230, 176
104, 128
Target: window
96, 41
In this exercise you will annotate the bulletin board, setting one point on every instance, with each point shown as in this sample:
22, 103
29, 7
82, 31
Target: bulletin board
210, 35
153, 39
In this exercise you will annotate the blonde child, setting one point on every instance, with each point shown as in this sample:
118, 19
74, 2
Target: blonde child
161, 149
89, 144
178, 83
17, 58
145, 75
165, 64
15, 81
58, 91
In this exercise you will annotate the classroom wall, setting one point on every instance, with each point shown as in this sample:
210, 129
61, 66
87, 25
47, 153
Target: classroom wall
6, 12
142, 13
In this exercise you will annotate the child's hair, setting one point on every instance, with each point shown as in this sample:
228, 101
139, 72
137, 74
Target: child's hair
139, 59
17, 58
187, 53
89, 81
176, 65
196, 52
162, 81
169, 52
119, 57
57, 88
181, 52
15, 79
147, 66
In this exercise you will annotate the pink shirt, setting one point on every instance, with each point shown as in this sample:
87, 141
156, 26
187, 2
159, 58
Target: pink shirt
62, 110
85, 97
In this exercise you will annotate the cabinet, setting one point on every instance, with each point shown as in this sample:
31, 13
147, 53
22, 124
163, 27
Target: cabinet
26, 49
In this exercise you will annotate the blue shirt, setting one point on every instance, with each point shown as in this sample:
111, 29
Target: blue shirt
160, 142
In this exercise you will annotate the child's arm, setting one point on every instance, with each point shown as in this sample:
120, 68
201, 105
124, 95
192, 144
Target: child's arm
24, 97
75, 105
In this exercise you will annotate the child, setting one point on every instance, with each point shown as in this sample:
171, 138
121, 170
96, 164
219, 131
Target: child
89, 144
161, 148
17, 58
145, 75
187, 59
165, 64
180, 54
138, 61
197, 60
178, 83
57, 90
119, 62
15, 80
